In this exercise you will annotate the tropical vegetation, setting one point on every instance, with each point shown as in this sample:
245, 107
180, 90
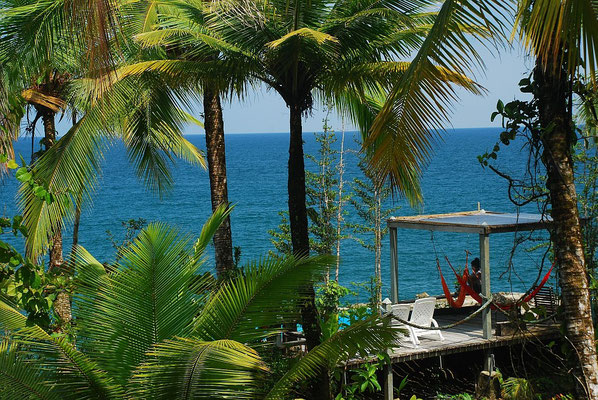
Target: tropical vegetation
159, 325
393, 67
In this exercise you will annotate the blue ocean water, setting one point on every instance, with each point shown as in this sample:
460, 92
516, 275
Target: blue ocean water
257, 176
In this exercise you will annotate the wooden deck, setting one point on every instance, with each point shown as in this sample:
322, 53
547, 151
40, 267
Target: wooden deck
462, 338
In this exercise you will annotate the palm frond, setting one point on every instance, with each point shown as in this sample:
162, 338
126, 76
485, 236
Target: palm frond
363, 338
77, 376
209, 229
417, 106
70, 166
408, 162
192, 369
20, 380
561, 32
306, 33
36, 97
146, 300
266, 296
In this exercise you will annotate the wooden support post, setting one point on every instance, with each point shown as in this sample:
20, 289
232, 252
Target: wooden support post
486, 292
394, 267
387, 370
388, 383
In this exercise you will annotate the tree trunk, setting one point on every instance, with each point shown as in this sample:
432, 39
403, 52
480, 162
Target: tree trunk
378, 246
62, 304
76, 226
558, 139
300, 240
339, 213
214, 127
48, 115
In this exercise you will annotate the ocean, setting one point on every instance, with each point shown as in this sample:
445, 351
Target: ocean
257, 177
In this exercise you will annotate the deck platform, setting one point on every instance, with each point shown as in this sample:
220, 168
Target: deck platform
462, 338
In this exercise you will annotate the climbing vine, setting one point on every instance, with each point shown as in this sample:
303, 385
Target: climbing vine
23, 282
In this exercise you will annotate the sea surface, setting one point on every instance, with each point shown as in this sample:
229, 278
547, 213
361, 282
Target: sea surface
257, 176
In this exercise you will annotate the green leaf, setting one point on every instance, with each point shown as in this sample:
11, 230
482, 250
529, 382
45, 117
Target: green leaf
23, 175
500, 106
364, 386
12, 164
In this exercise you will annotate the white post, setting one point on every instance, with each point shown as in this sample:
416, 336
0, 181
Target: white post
394, 267
486, 292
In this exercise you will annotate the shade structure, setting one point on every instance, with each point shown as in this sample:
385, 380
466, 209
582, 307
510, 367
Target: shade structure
481, 222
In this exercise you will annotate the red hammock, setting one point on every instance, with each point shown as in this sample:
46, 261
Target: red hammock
465, 288
447, 293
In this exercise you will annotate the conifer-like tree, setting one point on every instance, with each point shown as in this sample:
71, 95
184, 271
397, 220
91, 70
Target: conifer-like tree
368, 201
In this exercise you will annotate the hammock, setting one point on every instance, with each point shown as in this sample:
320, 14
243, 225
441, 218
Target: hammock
465, 288
447, 293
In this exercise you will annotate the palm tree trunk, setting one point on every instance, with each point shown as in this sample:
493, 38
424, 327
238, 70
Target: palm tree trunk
296, 187
48, 115
300, 241
62, 304
558, 138
214, 127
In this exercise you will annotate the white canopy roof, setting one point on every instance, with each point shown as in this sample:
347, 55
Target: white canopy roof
481, 221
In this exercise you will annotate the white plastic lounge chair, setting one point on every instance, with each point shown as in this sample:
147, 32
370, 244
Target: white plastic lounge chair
402, 311
423, 315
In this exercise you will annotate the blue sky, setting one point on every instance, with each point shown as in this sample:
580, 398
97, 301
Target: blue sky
264, 111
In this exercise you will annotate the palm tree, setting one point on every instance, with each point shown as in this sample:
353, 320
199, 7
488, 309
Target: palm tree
50, 78
215, 149
157, 327
563, 35
143, 113
142, 16
342, 52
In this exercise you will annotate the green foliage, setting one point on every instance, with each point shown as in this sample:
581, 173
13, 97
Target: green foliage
24, 283
328, 297
322, 191
460, 396
281, 236
368, 200
585, 158
156, 327
24, 175
517, 389
372, 288
321, 199
365, 378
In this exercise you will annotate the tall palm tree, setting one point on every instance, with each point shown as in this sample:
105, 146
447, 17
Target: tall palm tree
563, 36
142, 16
344, 52
51, 79
157, 327
144, 113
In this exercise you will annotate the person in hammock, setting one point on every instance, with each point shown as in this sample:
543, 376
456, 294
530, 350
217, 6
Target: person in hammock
474, 280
